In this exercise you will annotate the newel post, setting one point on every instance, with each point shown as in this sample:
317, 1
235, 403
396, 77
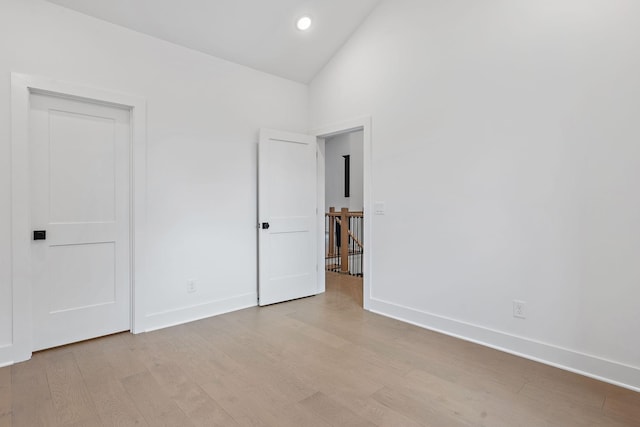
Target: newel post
344, 240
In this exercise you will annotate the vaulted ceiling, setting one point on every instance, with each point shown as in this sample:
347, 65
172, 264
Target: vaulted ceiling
260, 34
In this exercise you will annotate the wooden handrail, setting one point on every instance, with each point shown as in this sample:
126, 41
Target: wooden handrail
332, 213
355, 239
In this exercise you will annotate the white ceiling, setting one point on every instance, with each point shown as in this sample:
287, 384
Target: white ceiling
260, 34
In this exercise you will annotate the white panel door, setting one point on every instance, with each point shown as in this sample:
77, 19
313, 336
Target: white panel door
79, 167
287, 203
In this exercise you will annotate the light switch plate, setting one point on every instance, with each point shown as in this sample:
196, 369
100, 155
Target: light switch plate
379, 208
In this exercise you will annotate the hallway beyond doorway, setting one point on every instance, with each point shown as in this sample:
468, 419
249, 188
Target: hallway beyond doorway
344, 285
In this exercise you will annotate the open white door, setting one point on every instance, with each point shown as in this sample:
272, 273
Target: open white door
287, 210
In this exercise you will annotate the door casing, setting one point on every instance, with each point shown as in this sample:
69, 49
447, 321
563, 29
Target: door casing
364, 124
22, 86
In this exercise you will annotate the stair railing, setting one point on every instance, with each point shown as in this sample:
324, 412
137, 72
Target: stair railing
344, 243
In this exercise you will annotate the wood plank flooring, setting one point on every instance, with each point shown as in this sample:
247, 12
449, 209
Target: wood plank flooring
320, 361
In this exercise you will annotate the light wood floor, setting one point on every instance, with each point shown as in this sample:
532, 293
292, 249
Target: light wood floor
319, 361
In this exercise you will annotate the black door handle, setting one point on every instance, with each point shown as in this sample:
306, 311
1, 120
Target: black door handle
265, 225
39, 234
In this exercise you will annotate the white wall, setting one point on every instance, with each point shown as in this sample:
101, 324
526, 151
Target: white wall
336, 147
356, 190
203, 120
506, 147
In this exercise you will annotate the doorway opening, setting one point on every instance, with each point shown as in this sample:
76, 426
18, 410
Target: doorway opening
361, 156
344, 243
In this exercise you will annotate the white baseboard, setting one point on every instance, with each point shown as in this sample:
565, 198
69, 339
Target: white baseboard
170, 318
192, 313
591, 366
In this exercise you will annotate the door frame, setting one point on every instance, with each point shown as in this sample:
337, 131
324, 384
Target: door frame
22, 86
321, 133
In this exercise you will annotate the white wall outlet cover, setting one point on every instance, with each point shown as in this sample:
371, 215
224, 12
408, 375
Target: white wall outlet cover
379, 208
519, 309
191, 286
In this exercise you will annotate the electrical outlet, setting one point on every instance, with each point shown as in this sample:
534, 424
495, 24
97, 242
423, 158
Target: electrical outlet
519, 309
191, 286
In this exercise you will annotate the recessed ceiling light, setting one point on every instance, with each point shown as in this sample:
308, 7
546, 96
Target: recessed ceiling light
304, 23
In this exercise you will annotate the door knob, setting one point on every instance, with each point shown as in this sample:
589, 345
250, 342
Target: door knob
265, 225
39, 234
